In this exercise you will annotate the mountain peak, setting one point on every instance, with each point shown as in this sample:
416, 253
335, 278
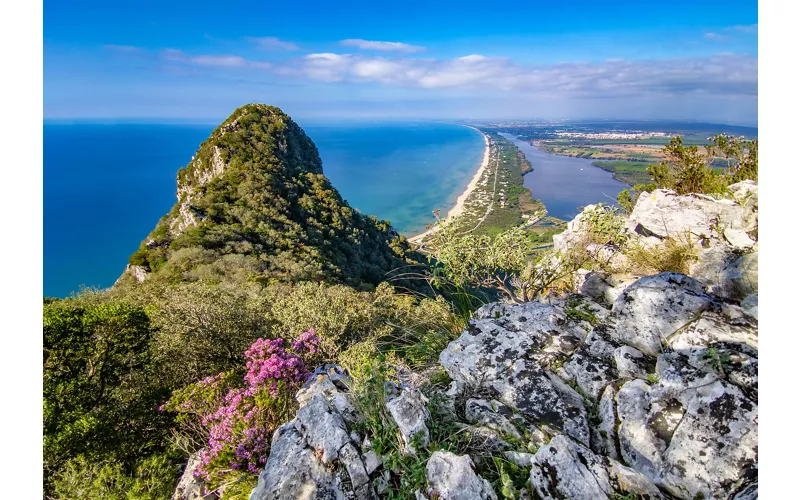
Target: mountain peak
255, 193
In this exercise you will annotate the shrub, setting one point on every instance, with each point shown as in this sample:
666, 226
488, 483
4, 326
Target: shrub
240, 419
154, 478
604, 224
100, 394
203, 329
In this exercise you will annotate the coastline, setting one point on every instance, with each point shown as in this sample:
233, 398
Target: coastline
458, 209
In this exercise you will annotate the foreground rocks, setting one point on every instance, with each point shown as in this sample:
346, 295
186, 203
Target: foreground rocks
658, 399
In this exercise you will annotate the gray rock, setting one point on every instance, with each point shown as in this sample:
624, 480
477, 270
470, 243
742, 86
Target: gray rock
505, 354
543, 397
565, 469
491, 415
591, 374
190, 487
452, 477
292, 471
726, 271
410, 412
359, 477
631, 363
371, 461
714, 446
322, 428
750, 305
520, 459
664, 213
652, 309
738, 238
604, 436
639, 445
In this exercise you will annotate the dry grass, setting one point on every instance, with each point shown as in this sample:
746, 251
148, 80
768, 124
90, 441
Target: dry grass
675, 254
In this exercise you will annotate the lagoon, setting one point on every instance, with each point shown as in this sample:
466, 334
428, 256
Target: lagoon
566, 184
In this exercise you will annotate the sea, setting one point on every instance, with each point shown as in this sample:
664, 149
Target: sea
106, 185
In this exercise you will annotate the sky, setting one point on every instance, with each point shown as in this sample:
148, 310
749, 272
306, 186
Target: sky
687, 60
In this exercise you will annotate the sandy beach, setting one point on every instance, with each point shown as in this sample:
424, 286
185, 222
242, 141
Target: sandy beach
458, 209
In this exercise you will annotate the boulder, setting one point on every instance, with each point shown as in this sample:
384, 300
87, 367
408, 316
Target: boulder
293, 471
565, 469
749, 305
664, 213
410, 412
452, 477
654, 307
631, 363
189, 487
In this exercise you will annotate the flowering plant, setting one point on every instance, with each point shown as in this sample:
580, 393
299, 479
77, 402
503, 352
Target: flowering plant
238, 420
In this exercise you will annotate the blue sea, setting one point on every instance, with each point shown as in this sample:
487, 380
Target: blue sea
106, 185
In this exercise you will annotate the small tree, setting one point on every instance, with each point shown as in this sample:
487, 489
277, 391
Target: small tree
741, 156
686, 170
504, 263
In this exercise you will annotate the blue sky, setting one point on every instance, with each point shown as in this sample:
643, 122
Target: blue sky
432, 59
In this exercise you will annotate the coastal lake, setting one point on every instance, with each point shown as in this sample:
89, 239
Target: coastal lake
565, 184
106, 185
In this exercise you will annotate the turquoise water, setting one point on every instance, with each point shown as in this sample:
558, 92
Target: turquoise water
106, 186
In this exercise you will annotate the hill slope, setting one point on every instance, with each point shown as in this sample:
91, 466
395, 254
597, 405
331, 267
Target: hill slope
253, 202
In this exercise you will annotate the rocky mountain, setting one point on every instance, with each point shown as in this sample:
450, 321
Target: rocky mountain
254, 202
631, 386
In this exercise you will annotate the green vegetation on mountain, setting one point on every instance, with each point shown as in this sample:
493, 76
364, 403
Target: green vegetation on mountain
254, 201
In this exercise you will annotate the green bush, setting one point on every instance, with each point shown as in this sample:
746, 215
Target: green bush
153, 478
100, 394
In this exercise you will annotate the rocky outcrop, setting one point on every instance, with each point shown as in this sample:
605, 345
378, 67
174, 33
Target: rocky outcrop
656, 397
722, 231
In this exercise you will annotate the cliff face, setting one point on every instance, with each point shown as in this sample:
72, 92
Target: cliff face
631, 387
254, 198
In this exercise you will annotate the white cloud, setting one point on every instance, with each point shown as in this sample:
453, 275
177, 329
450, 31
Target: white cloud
723, 74
715, 36
121, 48
382, 46
745, 28
726, 74
272, 43
218, 61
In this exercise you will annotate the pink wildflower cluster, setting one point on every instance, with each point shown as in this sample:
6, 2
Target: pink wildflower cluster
239, 430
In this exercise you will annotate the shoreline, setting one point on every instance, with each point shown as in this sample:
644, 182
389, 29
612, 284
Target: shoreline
458, 209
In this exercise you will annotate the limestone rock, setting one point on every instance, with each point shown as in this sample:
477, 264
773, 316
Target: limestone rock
591, 374
750, 305
493, 415
664, 213
410, 412
652, 309
323, 428
292, 471
738, 238
565, 469
452, 477
631, 363
604, 435
715, 445
190, 487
